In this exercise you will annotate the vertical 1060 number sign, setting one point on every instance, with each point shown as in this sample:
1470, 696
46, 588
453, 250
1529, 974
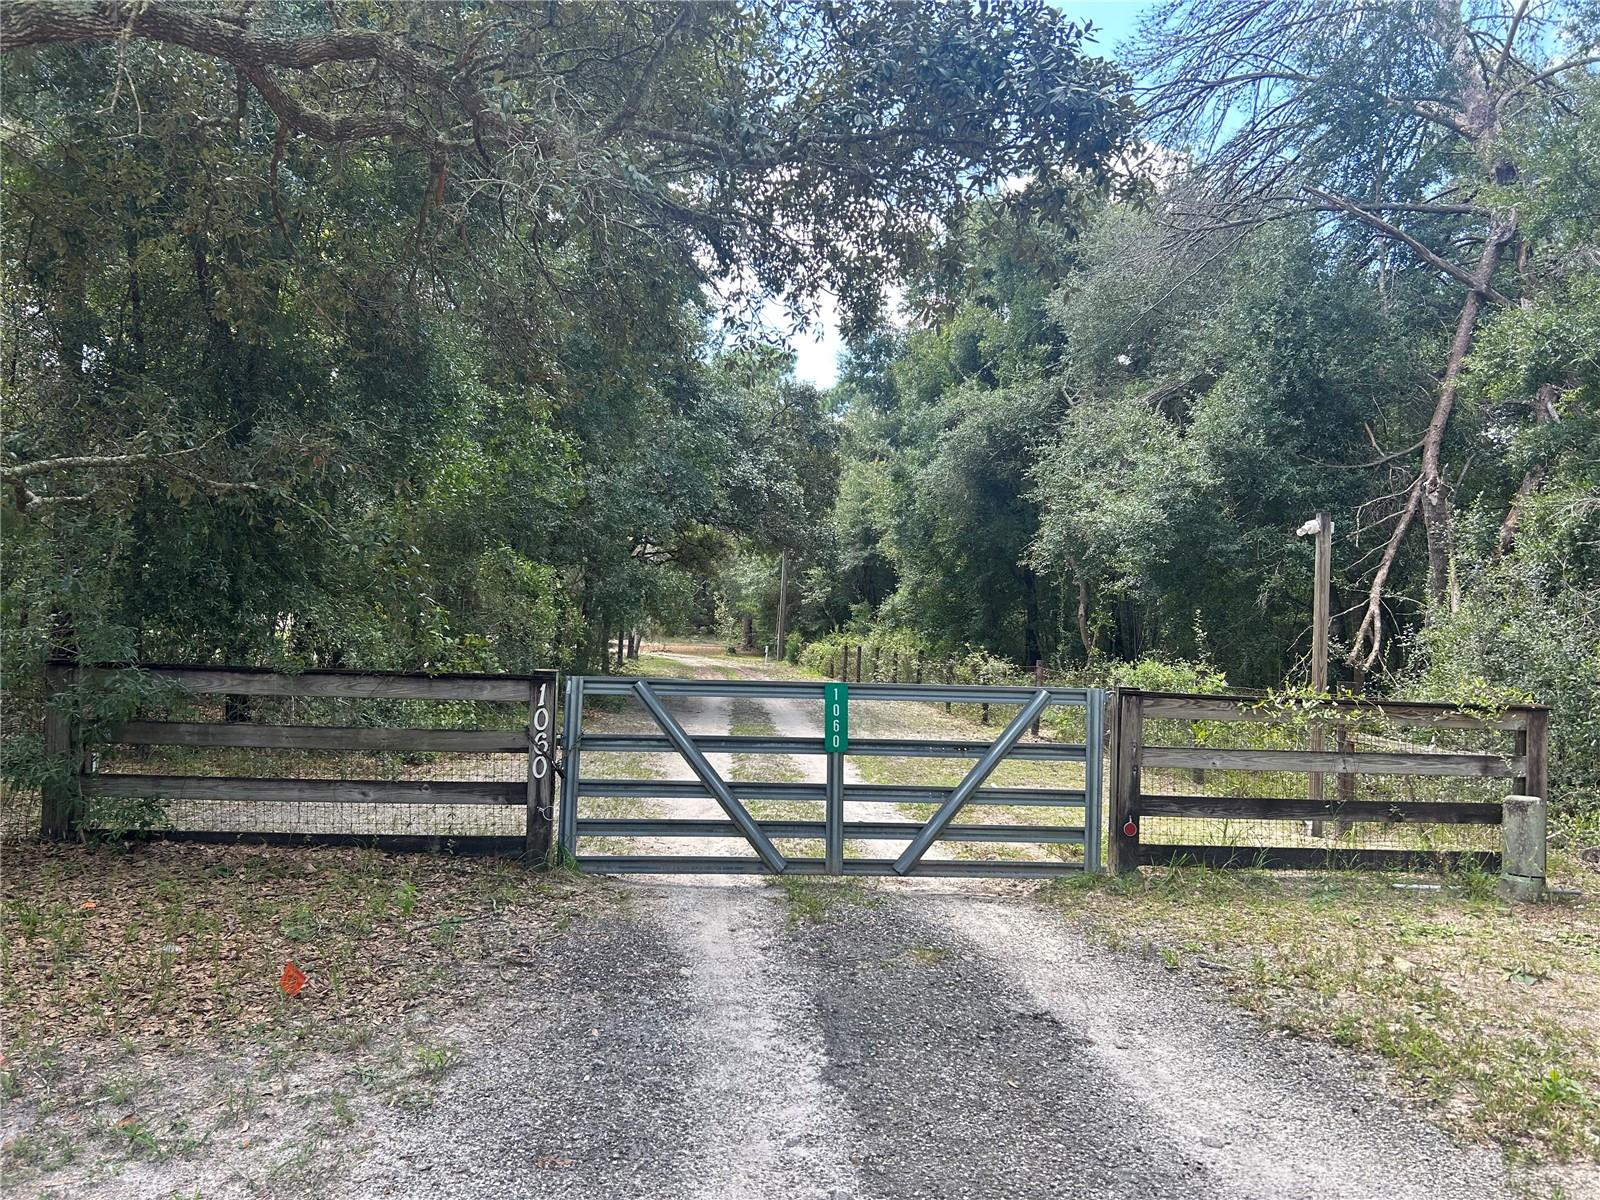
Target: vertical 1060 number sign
835, 718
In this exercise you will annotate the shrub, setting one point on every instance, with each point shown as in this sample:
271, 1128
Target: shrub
1516, 639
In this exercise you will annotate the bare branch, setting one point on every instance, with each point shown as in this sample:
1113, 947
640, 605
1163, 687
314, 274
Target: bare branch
16, 472
1369, 633
1510, 42
1376, 462
1548, 73
1368, 217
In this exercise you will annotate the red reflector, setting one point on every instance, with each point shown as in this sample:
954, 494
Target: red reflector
1129, 829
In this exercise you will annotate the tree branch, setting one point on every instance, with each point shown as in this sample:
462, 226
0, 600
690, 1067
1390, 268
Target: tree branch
1368, 217
1370, 631
1534, 81
641, 88
16, 472
25, 23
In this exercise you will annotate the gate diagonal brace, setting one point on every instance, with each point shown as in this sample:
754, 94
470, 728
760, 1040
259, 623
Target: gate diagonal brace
707, 775
981, 770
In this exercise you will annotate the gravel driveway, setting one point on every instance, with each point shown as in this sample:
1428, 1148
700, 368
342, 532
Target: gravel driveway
930, 1039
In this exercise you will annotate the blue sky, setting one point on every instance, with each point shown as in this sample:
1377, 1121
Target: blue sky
817, 351
1113, 20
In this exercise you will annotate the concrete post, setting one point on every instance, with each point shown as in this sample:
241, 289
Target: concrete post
1522, 856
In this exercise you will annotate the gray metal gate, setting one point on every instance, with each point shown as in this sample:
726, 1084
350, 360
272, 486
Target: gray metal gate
832, 795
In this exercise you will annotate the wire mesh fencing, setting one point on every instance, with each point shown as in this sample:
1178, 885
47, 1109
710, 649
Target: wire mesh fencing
464, 761
1316, 782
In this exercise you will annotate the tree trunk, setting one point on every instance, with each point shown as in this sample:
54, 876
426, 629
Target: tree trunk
1436, 513
1085, 632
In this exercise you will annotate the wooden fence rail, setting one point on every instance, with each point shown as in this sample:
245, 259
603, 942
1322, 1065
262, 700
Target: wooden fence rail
1525, 764
62, 815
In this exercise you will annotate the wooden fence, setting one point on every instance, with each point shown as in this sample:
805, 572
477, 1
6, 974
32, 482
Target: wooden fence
1524, 765
64, 803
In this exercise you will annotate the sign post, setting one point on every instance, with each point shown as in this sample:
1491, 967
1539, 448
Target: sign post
1322, 527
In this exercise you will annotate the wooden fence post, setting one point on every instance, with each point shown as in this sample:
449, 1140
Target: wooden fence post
1533, 744
59, 817
541, 772
858, 662
1347, 781
1127, 736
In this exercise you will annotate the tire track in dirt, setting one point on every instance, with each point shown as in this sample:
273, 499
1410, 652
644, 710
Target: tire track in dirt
763, 1111
1265, 1114
924, 1039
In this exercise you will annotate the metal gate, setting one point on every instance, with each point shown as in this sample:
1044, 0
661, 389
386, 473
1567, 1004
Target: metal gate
829, 815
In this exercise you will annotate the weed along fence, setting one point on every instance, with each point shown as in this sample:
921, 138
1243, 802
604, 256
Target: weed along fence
1222, 781
463, 762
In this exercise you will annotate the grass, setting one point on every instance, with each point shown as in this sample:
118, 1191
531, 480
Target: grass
657, 666
619, 765
749, 718
156, 944
435, 1061
654, 666
920, 956
812, 898
1489, 1011
141, 1002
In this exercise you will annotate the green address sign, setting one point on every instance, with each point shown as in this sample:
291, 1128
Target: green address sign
835, 718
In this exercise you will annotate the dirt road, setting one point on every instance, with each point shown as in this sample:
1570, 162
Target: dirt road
942, 1040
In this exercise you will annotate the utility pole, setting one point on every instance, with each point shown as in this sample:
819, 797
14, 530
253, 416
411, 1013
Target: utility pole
1322, 527
783, 600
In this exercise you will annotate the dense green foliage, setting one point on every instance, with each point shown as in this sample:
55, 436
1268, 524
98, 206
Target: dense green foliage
419, 336
445, 400
1090, 449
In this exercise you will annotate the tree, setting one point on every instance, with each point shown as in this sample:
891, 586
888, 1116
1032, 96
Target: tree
378, 334
1393, 120
809, 145
1219, 390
